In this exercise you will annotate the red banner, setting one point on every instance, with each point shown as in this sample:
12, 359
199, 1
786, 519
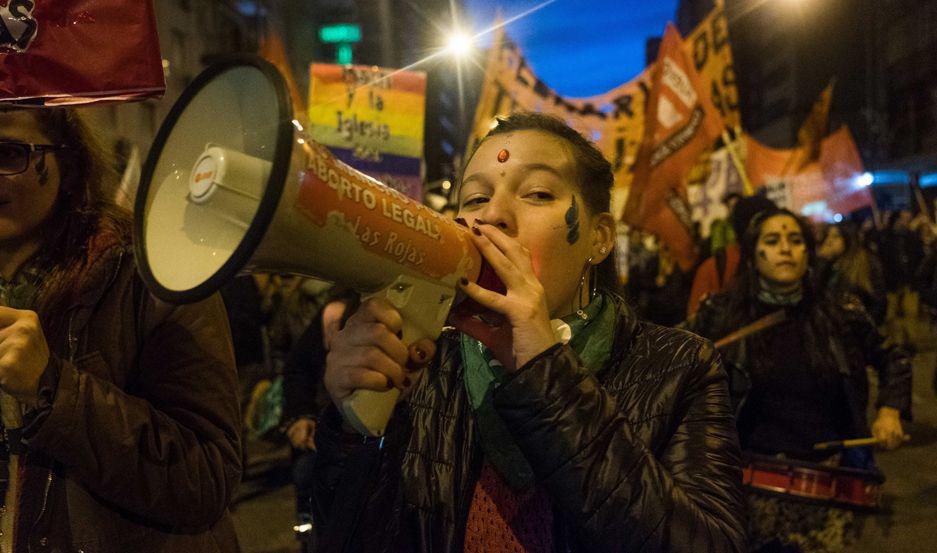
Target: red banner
78, 51
842, 168
681, 124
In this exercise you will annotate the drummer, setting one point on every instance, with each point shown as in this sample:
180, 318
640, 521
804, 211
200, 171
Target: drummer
803, 380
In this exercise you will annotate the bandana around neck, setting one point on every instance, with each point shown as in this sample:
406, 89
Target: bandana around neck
592, 340
779, 298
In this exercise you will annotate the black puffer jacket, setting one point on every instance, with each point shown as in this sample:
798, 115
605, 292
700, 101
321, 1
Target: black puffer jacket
641, 457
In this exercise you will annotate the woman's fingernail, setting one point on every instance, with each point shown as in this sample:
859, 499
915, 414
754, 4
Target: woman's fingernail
463, 281
400, 334
421, 355
390, 383
476, 232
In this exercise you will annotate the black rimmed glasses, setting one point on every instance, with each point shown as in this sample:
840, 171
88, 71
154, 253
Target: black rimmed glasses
15, 156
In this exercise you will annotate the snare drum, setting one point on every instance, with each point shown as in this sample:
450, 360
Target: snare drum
841, 486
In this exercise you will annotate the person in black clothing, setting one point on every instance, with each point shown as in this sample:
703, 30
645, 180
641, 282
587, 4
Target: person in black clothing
926, 278
592, 431
304, 394
847, 266
803, 380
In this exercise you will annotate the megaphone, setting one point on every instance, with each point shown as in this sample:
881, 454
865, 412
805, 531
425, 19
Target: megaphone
233, 184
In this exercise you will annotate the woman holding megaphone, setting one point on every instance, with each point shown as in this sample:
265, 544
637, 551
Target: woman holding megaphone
591, 431
120, 412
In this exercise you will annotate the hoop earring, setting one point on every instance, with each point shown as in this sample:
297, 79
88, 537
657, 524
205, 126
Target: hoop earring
593, 282
582, 282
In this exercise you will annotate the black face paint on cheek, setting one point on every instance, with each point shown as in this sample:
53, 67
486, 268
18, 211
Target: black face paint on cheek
762, 255
42, 170
572, 223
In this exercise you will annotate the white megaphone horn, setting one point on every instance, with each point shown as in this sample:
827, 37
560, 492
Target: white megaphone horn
233, 184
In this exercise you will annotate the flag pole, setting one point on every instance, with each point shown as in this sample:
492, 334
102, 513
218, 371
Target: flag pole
736, 160
876, 213
921, 204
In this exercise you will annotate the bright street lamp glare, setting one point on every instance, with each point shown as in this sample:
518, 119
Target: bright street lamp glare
459, 44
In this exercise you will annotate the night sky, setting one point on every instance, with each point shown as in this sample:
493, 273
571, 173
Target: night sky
580, 47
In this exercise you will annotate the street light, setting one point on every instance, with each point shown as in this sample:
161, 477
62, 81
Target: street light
459, 44
864, 180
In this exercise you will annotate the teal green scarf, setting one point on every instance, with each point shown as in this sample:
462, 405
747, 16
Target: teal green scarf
592, 339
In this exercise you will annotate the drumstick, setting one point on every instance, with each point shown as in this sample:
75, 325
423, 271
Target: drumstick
857, 442
763, 323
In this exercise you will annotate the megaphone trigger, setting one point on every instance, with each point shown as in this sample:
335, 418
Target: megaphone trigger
423, 307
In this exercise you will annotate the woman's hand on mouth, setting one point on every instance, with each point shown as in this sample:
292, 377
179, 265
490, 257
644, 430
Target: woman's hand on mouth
524, 305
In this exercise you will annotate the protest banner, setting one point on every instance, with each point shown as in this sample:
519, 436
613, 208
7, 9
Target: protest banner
842, 166
711, 51
614, 120
682, 124
818, 189
372, 119
706, 197
79, 51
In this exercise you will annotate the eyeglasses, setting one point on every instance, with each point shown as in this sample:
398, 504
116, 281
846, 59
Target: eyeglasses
15, 156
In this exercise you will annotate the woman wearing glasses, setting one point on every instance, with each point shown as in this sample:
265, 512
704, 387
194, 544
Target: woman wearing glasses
120, 413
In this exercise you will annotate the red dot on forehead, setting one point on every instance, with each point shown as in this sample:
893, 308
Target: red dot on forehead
503, 155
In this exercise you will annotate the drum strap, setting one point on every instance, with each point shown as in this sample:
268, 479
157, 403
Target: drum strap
761, 324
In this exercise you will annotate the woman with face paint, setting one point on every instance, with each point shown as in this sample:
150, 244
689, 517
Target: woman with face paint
592, 431
120, 413
803, 380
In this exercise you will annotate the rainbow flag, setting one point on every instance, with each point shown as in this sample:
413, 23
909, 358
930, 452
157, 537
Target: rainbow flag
372, 119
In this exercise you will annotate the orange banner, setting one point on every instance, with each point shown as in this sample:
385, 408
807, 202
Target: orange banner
682, 124
842, 166
818, 189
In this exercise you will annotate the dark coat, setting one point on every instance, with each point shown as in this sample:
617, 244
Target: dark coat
926, 278
139, 449
841, 333
640, 457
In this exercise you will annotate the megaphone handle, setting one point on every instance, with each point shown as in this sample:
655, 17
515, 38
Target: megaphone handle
423, 306
368, 411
